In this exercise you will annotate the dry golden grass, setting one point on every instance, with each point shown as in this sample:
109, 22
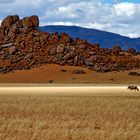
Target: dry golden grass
42, 117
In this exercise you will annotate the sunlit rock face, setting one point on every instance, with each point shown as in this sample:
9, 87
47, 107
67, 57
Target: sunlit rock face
23, 46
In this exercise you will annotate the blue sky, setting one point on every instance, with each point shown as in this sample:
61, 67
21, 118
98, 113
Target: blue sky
133, 1
118, 16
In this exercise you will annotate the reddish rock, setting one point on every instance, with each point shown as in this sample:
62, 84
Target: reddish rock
115, 52
53, 50
63, 70
69, 55
77, 71
15, 18
81, 46
80, 41
118, 48
16, 27
27, 22
2, 31
12, 50
93, 58
54, 38
89, 63
1, 52
60, 48
97, 46
131, 50
92, 52
72, 48
70, 62
64, 38
97, 67
26, 30
62, 63
60, 57
13, 30
28, 56
25, 47
7, 22
76, 60
35, 21
6, 31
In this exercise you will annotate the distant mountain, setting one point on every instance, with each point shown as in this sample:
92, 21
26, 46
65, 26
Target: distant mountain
105, 39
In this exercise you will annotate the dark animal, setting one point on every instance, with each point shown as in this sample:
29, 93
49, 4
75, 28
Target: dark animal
133, 88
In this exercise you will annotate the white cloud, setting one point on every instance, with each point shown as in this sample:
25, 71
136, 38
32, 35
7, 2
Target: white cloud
119, 17
61, 23
126, 9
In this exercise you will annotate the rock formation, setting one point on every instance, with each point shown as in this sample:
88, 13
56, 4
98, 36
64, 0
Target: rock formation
131, 50
23, 46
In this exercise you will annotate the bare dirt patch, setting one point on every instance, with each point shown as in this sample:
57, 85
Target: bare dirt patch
54, 72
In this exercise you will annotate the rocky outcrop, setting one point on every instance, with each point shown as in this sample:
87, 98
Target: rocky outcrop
31, 22
116, 50
23, 46
27, 22
131, 50
12, 25
35, 21
9, 20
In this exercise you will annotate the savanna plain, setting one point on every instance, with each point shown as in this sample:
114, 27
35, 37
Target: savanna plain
46, 117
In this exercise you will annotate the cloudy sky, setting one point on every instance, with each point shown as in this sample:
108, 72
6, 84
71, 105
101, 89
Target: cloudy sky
118, 16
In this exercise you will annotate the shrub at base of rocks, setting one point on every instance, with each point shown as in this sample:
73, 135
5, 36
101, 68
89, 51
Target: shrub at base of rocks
133, 73
77, 71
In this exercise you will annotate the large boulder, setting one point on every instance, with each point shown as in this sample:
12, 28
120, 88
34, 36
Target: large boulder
54, 38
9, 20
69, 55
118, 48
27, 22
53, 50
64, 38
35, 21
80, 41
131, 50
60, 48
15, 18
31, 22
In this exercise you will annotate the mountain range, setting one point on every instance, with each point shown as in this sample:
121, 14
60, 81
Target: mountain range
104, 38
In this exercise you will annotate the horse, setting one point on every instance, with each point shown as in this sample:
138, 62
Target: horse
133, 88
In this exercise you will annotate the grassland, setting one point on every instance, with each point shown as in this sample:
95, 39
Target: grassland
43, 117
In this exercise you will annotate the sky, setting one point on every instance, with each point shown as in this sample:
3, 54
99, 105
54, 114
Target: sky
118, 16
